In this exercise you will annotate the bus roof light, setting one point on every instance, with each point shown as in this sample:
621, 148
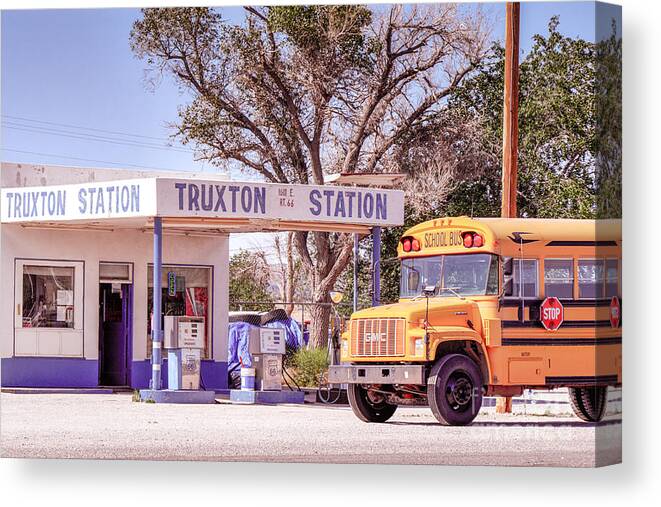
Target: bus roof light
468, 240
415, 245
478, 241
406, 244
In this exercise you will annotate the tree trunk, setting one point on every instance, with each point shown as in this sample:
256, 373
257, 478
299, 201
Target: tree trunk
319, 321
290, 292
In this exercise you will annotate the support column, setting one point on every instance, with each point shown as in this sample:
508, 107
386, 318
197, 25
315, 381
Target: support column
156, 327
355, 272
376, 266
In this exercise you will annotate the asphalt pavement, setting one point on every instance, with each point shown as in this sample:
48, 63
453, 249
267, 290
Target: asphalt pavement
112, 426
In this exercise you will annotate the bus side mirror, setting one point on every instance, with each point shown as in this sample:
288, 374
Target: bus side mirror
508, 266
508, 286
413, 280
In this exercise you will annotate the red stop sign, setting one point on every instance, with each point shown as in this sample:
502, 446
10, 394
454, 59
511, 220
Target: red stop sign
615, 312
551, 313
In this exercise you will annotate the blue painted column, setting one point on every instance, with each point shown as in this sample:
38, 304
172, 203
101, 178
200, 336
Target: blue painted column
156, 329
376, 266
355, 272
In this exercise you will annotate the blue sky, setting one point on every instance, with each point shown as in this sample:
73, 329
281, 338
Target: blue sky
74, 68
72, 71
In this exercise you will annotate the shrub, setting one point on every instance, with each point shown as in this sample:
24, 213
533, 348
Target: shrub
308, 365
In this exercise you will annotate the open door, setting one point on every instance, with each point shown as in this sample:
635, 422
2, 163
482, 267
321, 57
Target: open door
114, 328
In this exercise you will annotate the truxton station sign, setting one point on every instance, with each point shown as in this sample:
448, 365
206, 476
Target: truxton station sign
169, 197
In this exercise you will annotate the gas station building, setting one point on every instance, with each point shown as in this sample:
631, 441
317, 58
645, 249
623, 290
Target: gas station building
78, 250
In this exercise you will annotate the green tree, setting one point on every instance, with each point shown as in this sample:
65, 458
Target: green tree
250, 279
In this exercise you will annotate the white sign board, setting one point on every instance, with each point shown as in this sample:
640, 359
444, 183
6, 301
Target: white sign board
276, 201
170, 197
83, 201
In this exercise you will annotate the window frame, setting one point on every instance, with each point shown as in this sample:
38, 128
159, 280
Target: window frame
57, 342
618, 279
78, 291
207, 353
578, 280
519, 260
573, 278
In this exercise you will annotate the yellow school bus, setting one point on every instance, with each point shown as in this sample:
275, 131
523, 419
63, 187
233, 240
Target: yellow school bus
491, 306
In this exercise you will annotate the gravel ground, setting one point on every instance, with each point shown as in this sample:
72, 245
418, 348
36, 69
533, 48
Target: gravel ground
114, 427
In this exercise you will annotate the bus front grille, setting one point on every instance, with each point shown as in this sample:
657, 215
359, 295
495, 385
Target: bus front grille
377, 337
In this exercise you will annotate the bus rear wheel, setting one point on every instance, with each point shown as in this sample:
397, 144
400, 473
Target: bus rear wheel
454, 390
369, 406
588, 403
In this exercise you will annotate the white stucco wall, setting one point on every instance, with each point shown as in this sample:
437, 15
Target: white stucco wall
131, 246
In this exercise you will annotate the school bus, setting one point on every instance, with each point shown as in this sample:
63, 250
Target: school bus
491, 306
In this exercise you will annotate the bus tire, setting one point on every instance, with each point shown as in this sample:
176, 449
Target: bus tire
454, 390
367, 408
588, 403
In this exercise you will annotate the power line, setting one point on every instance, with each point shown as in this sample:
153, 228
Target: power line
92, 137
69, 125
124, 164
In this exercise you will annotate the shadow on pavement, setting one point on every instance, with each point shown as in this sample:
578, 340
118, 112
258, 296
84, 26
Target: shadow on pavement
529, 424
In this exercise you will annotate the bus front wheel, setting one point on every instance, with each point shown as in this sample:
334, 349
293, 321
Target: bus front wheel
588, 403
369, 406
454, 390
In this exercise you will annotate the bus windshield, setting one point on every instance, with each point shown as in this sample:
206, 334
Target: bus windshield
451, 275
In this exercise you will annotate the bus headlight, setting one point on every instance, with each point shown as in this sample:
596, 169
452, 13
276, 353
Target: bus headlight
345, 347
419, 347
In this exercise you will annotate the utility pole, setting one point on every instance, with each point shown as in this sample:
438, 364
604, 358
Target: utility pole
511, 110
510, 133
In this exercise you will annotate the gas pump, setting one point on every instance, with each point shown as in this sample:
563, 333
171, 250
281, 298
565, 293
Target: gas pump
267, 347
184, 341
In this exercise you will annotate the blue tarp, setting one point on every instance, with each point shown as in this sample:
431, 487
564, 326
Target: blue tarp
239, 336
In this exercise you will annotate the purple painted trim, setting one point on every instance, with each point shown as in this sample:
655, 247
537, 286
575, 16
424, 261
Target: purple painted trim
214, 374
49, 372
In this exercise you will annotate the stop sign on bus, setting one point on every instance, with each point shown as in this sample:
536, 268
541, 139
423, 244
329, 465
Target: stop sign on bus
615, 312
551, 313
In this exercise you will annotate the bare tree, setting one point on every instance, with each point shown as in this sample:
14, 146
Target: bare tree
298, 92
288, 269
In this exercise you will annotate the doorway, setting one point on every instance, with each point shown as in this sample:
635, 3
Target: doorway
114, 333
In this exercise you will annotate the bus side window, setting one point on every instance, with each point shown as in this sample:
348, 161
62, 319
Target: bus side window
559, 278
612, 277
528, 283
591, 278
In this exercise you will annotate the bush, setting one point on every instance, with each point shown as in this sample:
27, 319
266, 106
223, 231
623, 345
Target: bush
308, 365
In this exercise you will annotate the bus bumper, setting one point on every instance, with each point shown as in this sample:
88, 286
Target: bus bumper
377, 374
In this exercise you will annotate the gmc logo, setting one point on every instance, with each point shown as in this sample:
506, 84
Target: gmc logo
375, 337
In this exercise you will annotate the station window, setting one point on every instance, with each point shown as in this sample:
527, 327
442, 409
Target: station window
48, 296
559, 278
525, 287
186, 291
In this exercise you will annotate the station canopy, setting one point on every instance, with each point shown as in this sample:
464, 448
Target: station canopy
192, 205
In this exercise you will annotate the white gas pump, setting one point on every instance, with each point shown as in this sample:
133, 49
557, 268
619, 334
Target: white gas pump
184, 341
267, 346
